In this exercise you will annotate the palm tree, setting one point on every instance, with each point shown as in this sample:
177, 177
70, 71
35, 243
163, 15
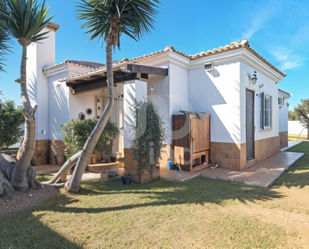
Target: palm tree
109, 19
26, 21
4, 48
4, 38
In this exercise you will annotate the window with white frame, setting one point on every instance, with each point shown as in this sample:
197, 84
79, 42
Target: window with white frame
266, 112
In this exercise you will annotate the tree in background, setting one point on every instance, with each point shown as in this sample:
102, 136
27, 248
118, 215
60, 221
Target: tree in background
302, 110
293, 115
108, 20
11, 118
23, 20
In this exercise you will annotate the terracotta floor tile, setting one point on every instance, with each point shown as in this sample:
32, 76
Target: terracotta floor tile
260, 174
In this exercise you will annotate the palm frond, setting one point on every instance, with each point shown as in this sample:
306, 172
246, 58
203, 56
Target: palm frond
137, 17
27, 19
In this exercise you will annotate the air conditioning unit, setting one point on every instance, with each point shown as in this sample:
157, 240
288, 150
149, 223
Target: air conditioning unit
209, 67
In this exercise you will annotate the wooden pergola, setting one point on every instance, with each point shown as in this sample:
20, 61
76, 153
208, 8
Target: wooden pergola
122, 74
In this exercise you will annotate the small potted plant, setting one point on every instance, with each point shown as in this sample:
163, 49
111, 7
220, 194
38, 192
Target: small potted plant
126, 179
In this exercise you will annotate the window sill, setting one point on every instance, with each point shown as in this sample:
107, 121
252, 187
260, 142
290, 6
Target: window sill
267, 129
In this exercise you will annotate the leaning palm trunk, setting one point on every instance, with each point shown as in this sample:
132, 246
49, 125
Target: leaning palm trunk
65, 169
73, 184
21, 175
18, 178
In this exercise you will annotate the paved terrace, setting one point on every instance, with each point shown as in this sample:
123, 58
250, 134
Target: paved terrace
261, 174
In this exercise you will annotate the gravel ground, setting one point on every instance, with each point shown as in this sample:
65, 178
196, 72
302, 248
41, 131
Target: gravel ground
23, 201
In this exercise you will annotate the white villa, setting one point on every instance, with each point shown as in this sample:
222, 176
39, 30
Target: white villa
249, 114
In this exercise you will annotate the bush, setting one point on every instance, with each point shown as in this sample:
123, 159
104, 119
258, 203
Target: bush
75, 134
149, 136
11, 119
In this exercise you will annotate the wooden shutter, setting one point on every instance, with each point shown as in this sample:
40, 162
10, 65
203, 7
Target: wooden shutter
271, 111
262, 118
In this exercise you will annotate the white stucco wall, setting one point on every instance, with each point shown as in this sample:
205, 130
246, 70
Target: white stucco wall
58, 105
217, 93
160, 96
40, 56
179, 94
270, 88
283, 117
295, 127
81, 102
136, 90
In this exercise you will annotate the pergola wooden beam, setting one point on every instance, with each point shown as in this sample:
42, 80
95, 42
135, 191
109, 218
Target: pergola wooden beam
121, 75
136, 68
99, 83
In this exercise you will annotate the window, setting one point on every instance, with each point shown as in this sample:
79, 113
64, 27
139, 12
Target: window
266, 112
280, 101
89, 111
81, 116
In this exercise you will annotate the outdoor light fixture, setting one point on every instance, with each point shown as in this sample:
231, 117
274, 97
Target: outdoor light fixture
152, 88
254, 78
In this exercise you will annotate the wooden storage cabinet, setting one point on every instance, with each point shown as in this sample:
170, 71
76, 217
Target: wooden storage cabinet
191, 141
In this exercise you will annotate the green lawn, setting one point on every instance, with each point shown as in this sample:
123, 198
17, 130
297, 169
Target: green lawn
162, 214
297, 137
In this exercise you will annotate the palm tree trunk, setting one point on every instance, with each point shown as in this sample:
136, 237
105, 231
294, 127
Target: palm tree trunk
18, 178
73, 184
65, 169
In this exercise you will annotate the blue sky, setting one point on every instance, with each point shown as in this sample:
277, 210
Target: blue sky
277, 29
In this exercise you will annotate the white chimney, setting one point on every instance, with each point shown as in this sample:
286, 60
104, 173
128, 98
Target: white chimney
41, 55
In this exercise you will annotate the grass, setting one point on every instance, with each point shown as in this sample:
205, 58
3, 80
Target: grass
297, 137
162, 214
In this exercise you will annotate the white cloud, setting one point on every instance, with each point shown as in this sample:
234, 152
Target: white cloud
287, 58
259, 15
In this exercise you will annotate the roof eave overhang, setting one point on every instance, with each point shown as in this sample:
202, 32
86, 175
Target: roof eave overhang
243, 55
284, 94
63, 68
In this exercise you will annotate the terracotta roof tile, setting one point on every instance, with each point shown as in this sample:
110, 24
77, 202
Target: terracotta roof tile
87, 64
232, 46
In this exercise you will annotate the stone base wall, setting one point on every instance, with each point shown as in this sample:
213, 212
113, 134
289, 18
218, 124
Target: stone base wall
131, 167
56, 147
226, 154
284, 139
266, 148
233, 156
44, 151
40, 155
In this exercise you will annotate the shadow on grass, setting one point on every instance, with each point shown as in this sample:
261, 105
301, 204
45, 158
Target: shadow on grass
298, 174
24, 230
198, 191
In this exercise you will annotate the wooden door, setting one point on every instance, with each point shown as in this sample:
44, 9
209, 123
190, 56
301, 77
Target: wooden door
250, 124
200, 134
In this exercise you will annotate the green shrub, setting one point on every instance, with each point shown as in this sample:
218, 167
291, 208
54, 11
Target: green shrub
149, 136
75, 134
11, 118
